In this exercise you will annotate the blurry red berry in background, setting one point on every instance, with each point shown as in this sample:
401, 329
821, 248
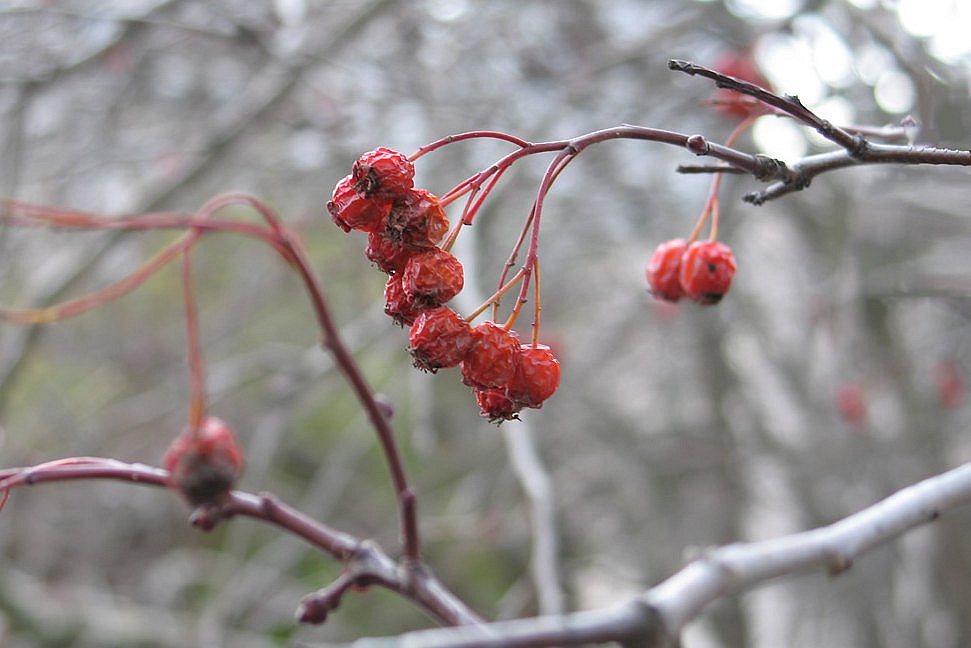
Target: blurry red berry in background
949, 383
663, 270
204, 464
851, 403
732, 104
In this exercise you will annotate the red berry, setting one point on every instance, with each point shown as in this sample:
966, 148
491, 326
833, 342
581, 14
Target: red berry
417, 219
493, 358
496, 406
204, 464
707, 268
432, 277
664, 268
386, 253
537, 376
350, 209
383, 173
851, 403
949, 383
397, 304
439, 338
732, 104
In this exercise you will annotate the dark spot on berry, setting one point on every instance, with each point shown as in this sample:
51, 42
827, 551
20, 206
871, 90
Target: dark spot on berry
712, 268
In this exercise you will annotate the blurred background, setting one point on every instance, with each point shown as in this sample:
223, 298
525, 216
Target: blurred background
832, 375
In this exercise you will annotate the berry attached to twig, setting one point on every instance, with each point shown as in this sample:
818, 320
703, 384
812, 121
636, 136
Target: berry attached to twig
439, 338
537, 376
384, 174
204, 464
707, 268
663, 270
350, 209
432, 277
493, 359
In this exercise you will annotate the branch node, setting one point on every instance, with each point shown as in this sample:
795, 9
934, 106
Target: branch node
697, 145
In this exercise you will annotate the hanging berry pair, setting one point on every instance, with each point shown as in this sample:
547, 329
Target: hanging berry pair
701, 272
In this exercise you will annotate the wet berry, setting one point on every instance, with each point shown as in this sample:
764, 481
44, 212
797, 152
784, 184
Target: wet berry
386, 253
204, 464
537, 376
439, 338
663, 270
383, 173
397, 304
496, 406
417, 219
707, 268
350, 209
494, 357
432, 277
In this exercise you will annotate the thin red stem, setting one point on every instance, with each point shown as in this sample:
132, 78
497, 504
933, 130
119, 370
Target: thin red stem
197, 380
451, 139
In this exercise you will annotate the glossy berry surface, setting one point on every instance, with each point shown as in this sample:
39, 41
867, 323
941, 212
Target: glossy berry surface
383, 173
493, 359
439, 338
495, 405
432, 277
707, 269
350, 209
386, 253
397, 304
664, 269
537, 376
417, 220
204, 464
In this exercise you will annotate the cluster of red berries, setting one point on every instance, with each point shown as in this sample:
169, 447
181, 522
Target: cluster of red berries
204, 463
405, 226
702, 271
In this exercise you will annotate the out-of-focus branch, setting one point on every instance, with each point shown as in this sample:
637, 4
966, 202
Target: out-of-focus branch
657, 616
368, 563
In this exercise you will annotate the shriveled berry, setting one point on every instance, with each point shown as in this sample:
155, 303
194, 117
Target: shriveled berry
432, 277
417, 219
537, 376
493, 358
204, 464
707, 268
397, 304
383, 173
386, 253
351, 209
439, 338
496, 406
664, 268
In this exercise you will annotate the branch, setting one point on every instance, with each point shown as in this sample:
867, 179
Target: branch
363, 558
657, 616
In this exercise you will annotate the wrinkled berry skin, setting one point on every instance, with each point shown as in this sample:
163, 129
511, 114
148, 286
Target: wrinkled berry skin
388, 255
432, 277
440, 339
417, 220
493, 359
204, 464
707, 269
496, 406
537, 376
350, 209
397, 304
384, 174
664, 270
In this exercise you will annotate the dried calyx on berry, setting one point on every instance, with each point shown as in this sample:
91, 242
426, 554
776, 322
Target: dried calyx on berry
417, 219
350, 209
204, 463
384, 174
496, 406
